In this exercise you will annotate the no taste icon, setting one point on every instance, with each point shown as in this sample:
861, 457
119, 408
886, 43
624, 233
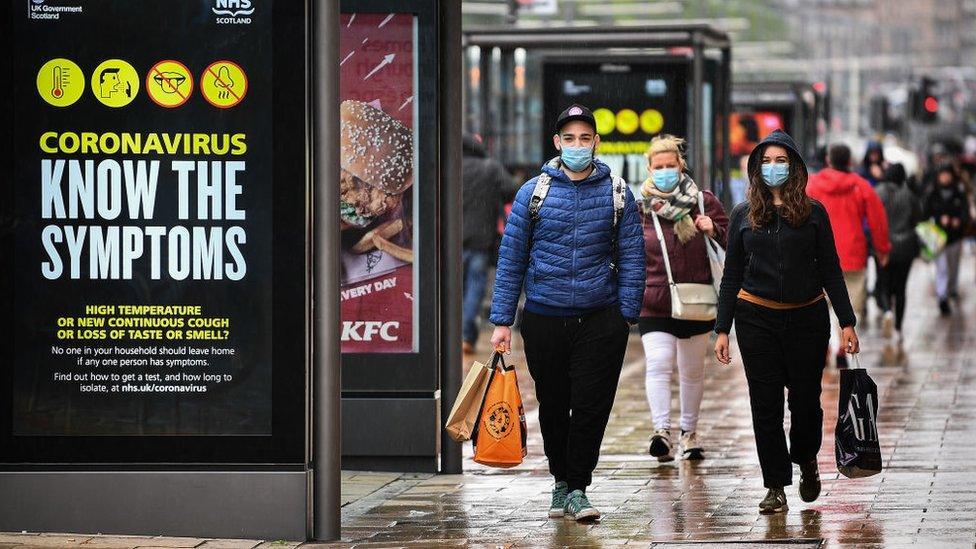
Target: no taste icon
169, 84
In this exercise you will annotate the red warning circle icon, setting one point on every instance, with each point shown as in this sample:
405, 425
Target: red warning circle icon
169, 84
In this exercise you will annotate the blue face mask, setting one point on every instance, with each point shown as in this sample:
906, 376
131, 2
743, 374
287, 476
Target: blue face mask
665, 179
775, 174
577, 158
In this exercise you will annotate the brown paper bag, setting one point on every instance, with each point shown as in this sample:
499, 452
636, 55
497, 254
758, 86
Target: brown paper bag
464, 414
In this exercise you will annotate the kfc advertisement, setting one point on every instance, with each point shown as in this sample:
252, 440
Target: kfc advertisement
377, 184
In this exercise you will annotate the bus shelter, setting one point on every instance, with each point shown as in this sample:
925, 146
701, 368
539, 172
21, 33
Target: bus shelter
639, 81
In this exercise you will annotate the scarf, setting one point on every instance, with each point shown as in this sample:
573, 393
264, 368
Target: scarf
674, 206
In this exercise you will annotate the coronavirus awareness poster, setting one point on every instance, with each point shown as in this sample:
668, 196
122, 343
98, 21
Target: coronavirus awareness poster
142, 173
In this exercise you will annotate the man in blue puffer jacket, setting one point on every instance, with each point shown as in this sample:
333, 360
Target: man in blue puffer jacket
581, 296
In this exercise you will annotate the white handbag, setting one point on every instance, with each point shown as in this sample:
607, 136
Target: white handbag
689, 300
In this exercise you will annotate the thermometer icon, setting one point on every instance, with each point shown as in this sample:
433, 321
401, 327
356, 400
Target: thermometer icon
57, 92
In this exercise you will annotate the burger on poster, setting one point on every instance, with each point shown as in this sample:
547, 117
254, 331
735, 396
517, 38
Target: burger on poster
377, 168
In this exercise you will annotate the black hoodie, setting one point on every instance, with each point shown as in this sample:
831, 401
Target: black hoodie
780, 262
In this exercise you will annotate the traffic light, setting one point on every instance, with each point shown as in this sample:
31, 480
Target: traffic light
924, 102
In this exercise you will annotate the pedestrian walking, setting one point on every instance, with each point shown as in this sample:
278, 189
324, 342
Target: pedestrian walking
851, 203
574, 238
485, 185
780, 259
948, 206
873, 165
671, 196
903, 211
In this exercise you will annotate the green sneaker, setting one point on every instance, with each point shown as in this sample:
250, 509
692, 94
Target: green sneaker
578, 507
558, 506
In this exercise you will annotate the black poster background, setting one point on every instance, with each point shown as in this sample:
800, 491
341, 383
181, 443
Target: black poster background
144, 33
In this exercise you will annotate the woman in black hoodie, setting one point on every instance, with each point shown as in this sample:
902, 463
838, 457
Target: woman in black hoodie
780, 259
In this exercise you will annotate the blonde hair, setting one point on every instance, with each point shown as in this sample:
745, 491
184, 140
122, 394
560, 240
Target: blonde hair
667, 143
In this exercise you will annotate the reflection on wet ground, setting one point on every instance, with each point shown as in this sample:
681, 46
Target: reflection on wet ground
926, 494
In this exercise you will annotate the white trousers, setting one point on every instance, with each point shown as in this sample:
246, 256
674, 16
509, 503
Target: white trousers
947, 270
660, 351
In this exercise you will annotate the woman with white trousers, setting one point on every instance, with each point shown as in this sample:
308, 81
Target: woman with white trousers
684, 215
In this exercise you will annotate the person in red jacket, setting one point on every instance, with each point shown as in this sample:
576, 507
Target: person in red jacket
850, 202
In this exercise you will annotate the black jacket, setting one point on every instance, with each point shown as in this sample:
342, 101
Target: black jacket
904, 212
484, 184
950, 201
779, 262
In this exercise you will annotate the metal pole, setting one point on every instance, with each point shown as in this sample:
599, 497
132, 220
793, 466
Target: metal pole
449, 82
325, 354
726, 111
698, 115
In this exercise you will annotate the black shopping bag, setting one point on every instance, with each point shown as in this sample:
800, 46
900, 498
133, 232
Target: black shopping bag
856, 437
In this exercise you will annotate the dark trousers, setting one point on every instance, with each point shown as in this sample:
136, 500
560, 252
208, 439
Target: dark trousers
475, 270
575, 362
784, 350
892, 281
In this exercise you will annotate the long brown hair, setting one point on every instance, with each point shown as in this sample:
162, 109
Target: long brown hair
796, 204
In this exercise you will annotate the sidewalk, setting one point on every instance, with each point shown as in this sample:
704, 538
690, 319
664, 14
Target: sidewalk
926, 495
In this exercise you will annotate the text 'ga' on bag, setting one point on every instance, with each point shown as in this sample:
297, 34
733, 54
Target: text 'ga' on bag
500, 438
856, 444
461, 422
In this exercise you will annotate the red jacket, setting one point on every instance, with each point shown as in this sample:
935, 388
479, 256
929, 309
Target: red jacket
689, 262
849, 200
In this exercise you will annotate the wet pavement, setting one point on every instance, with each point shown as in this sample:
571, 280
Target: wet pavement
926, 494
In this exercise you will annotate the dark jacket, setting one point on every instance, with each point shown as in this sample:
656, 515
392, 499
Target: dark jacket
689, 261
484, 184
950, 201
564, 259
904, 211
779, 262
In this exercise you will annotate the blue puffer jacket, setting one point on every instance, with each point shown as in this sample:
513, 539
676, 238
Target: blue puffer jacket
568, 270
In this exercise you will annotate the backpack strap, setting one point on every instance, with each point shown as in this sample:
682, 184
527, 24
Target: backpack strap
539, 194
619, 190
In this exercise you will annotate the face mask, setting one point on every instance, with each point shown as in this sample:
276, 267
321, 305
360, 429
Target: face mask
775, 174
665, 179
577, 158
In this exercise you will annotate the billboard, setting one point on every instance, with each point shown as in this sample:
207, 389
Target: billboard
153, 231
632, 101
378, 202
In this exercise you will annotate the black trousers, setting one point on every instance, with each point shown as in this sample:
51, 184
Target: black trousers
575, 362
784, 350
892, 281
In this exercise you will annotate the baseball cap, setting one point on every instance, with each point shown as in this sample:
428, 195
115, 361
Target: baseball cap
575, 112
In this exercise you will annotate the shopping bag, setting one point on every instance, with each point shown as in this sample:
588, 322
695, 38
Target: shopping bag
716, 255
464, 414
501, 434
856, 436
932, 238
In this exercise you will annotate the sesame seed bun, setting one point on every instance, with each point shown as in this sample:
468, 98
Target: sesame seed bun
375, 147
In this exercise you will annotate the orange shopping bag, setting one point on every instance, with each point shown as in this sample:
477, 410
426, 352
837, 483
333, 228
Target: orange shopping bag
500, 437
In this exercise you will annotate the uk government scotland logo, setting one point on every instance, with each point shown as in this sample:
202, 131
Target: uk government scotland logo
233, 12
38, 9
